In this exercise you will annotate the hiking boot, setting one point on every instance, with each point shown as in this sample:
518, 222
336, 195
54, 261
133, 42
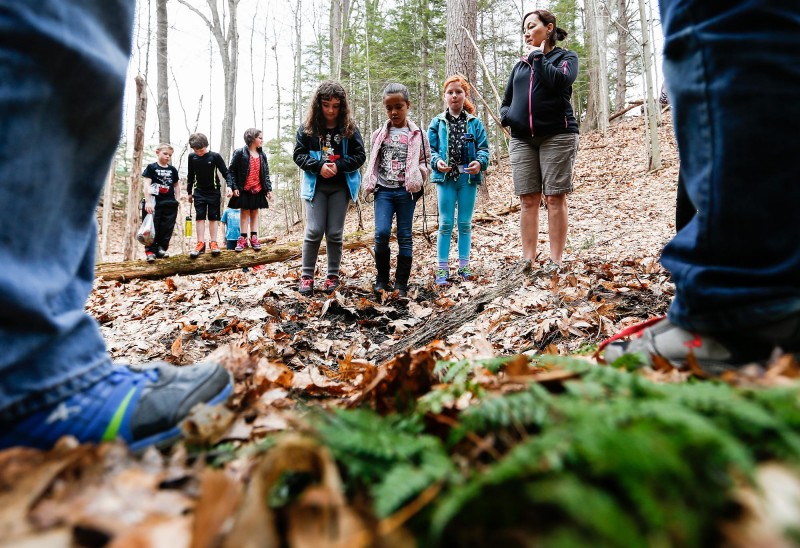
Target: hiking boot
241, 244
551, 267
150, 256
198, 249
161, 253
466, 274
255, 244
382, 266
306, 286
659, 340
442, 275
214, 248
331, 284
142, 406
402, 274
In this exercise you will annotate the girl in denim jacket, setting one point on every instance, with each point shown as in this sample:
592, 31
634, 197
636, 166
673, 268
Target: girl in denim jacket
459, 152
329, 150
398, 167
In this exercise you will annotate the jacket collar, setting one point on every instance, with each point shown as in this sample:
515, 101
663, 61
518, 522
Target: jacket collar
412, 127
443, 115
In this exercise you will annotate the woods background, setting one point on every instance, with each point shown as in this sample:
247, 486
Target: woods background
221, 66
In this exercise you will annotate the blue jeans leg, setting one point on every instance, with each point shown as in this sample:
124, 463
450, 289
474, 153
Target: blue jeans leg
391, 202
733, 73
62, 75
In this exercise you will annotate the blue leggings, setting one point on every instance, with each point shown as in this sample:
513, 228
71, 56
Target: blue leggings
454, 193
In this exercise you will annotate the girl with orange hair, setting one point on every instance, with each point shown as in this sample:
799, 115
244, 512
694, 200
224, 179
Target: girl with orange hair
459, 152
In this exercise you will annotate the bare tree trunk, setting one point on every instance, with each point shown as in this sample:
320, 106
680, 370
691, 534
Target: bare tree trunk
227, 39
623, 30
162, 61
459, 52
597, 107
108, 208
297, 81
252, 68
651, 109
135, 189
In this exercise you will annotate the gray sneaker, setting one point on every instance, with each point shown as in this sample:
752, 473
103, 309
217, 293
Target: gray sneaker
659, 339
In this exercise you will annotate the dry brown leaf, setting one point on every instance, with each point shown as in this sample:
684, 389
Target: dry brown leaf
213, 516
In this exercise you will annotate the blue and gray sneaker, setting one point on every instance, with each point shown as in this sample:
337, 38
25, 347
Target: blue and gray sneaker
143, 407
442, 275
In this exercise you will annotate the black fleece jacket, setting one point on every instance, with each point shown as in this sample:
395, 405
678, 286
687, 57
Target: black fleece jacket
537, 97
240, 168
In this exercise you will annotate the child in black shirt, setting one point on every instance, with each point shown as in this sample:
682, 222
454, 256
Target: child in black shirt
202, 187
161, 199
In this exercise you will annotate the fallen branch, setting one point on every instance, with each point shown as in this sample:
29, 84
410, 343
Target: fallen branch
451, 320
632, 105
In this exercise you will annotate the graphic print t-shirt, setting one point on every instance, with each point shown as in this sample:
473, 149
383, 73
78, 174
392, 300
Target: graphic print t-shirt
331, 147
163, 180
393, 155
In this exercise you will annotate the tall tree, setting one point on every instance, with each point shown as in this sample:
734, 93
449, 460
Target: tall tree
653, 150
227, 38
162, 61
462, 23
340, 49
597, 107
623, 35
135, 191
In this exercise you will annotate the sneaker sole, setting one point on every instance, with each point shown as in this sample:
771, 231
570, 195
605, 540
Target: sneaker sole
169, 437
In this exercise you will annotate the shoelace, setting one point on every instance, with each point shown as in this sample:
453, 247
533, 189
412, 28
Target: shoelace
331, 282
306, 283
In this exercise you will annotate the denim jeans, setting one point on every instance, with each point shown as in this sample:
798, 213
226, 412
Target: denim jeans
733, 73
388, 203
62, 76
451, 193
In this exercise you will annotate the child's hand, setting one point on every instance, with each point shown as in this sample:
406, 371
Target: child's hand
236, 192
441, 166
228, 193
473, 168
328, 170
149, 209
269, 196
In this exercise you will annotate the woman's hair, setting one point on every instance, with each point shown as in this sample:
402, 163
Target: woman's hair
394, 87
546, 17
250, 135
315, 124
468, 106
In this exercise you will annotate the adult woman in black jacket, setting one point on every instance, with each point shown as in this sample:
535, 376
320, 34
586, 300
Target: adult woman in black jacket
544, 132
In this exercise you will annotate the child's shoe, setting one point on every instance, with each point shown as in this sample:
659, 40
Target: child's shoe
241, 244
214, 247
150, 256
161, 253
331, 284
306, 286
143, 406
254, 243
198, 249
466, 274
442, 275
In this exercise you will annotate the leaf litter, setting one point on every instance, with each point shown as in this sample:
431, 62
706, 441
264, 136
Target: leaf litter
253, 473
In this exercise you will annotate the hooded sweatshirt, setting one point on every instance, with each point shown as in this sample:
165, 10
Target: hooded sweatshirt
537, 96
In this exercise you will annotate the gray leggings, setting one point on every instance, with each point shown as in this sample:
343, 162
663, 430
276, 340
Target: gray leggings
325, 217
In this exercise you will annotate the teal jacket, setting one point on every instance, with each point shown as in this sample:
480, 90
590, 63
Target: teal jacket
439, 137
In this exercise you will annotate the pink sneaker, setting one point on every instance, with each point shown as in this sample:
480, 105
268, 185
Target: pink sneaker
306, 286
254, 243
241, 244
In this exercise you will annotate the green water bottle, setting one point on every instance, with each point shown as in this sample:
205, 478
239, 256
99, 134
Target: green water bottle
188, 225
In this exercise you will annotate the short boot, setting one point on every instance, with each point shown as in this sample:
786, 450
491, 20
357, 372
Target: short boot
382, 279
401, 275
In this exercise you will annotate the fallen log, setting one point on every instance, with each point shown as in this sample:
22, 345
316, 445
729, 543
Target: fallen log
230, 260
449, 321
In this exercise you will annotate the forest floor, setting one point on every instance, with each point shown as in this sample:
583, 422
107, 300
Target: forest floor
291, 356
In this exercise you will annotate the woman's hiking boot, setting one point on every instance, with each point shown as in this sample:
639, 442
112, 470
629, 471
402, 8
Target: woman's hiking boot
382, 259
401, 275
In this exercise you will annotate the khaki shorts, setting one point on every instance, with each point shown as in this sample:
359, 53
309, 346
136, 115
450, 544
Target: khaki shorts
543, 164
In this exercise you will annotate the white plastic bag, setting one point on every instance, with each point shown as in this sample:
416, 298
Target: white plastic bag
147, 232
